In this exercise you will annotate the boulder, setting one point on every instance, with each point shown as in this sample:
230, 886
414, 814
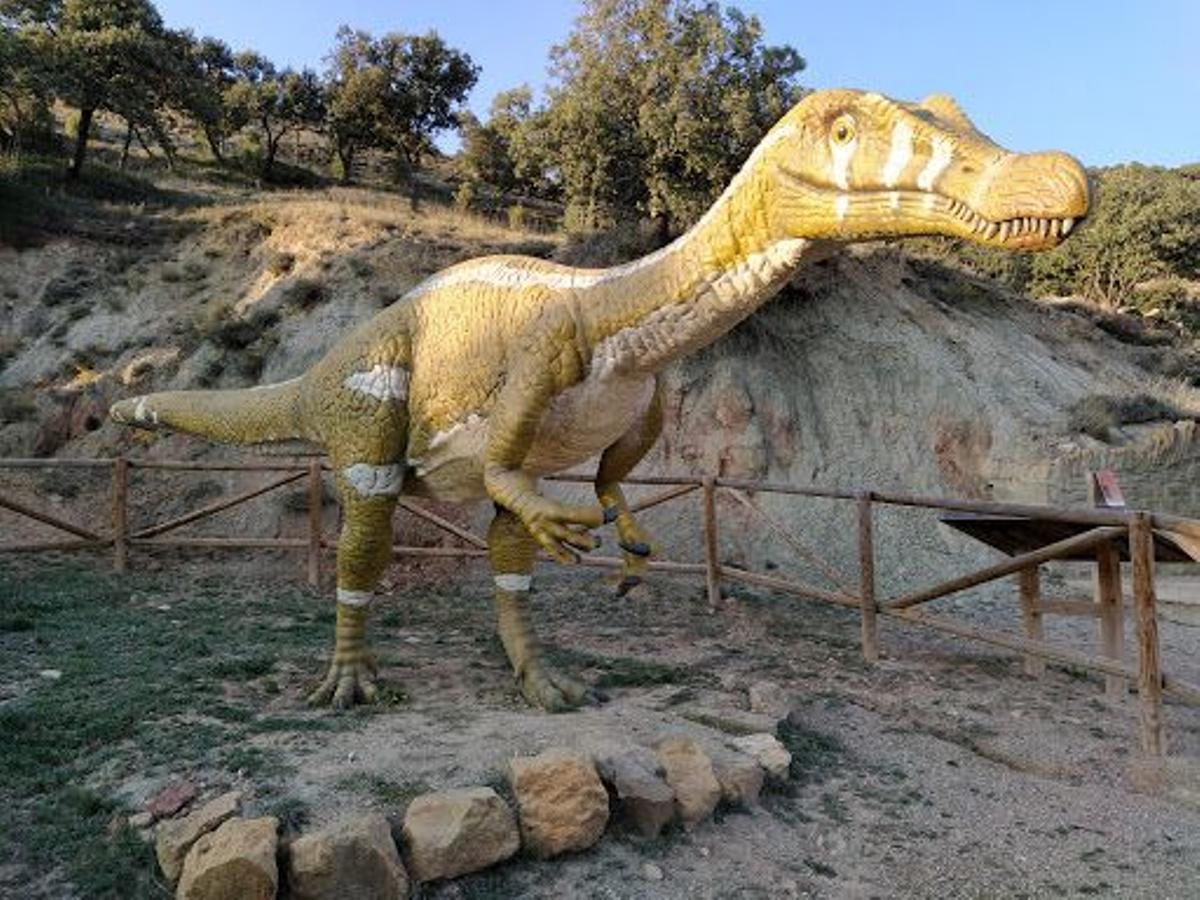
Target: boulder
563, 806
235, 862
354, 858
171, 799
769, 752
175, 839
740, 776
689, 772
450, 833
768, 698
643, 799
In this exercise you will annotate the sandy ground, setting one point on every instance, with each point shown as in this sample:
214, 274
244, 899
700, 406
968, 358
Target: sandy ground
941, 771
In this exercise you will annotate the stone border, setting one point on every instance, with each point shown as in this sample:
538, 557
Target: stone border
565, 801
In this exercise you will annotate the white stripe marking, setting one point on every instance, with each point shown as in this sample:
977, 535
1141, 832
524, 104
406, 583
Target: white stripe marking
843, 154
516, 583
383, 382
842, 206
894, 200
503, 273
374, 481
899, 154
347, 597
943, 153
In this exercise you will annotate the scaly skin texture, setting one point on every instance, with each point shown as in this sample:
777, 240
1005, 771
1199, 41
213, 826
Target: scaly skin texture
502, 369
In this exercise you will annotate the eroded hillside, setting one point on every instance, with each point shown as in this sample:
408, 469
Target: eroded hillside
872, 370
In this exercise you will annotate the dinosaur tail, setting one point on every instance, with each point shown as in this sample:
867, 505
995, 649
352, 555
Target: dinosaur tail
249, 416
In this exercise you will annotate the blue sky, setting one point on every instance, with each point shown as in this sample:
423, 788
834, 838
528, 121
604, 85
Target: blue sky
1108, 80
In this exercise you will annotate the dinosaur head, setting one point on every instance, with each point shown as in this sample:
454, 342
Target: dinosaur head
849, 165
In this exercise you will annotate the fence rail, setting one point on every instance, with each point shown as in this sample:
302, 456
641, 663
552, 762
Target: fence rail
1107, 531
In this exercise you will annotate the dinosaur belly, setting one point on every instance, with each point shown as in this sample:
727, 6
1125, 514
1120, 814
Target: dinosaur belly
580, 423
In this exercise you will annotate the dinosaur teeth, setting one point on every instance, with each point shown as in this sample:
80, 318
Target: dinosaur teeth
1004, 230
1044, 227
1067, 224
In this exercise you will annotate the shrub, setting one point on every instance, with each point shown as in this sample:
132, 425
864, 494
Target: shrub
1098, 414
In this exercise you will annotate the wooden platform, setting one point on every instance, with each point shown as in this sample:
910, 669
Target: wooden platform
1015, 535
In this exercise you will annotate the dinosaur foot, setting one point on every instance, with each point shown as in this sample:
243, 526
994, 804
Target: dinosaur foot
553, 690
346, 684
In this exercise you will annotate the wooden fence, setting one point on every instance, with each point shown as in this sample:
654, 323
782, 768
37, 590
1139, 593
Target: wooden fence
1105, 535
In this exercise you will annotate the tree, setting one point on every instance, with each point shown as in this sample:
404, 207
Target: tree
276, 102
206, 73
107, 55
395, 93
509, 151
1144, 224
356, 87
657, 103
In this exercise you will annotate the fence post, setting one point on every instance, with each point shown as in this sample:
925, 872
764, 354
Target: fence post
1112, 615
1029, 582
120, 513
1141, 549
315, 496
712, 573
866, 568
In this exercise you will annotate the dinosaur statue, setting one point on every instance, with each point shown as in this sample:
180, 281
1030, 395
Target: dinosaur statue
499, 370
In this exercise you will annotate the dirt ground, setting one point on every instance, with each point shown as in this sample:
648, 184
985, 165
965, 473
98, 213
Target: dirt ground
940, 771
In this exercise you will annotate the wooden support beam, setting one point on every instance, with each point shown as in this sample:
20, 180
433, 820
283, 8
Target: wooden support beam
38, 546
833, 577
1030, 585
52, 521
218, 506
1020, 644
445, 524
1150, 680
224, 543
1110, 608
120, 513
733, 573
712, 571
1036, 557
1084, 608
866, 575
316, 496
679, 491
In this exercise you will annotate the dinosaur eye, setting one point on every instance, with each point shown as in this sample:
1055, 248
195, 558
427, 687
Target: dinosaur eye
842, 131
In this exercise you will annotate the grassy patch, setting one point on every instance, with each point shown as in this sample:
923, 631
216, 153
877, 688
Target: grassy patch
622, 671
142, 695
815, 754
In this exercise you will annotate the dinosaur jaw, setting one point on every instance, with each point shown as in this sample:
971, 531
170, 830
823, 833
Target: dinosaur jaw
818, 212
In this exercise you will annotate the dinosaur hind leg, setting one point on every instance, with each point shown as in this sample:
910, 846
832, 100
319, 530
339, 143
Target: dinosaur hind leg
364, 551
512, 551
616, 462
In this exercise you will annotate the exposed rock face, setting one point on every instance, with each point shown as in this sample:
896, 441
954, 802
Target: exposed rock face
644, 800
690, 774
354, 858
765, 748
450, 833
175, 839
740, 776
235, 861
562, 804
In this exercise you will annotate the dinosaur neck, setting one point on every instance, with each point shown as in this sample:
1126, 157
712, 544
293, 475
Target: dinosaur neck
644, 315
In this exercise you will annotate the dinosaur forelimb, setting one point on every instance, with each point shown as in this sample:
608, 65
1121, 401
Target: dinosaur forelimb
512, 551
616, 462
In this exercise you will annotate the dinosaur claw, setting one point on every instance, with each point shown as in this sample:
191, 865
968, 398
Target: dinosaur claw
610, 514
628, 583
637, 548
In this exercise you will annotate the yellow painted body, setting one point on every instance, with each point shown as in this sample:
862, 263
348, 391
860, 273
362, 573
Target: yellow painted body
503, 369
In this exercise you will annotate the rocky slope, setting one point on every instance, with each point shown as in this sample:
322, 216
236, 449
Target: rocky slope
873, 370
